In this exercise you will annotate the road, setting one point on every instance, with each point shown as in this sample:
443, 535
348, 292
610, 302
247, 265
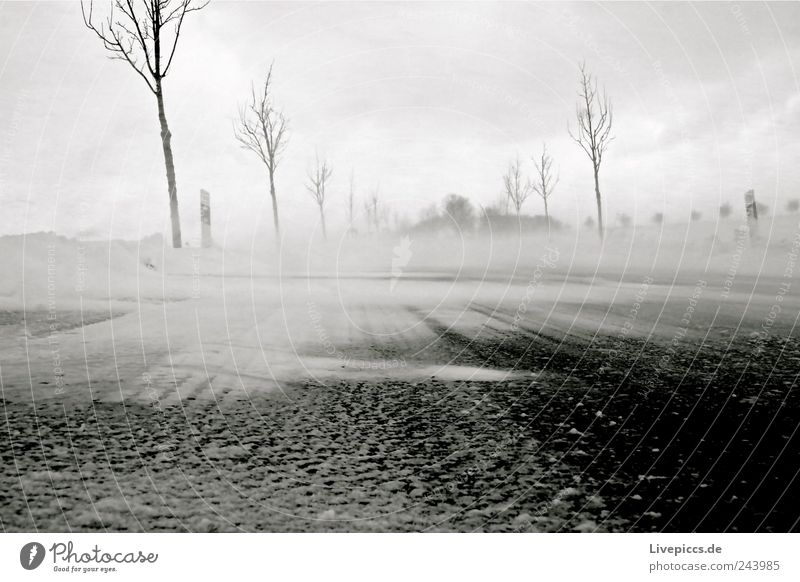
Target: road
428, 404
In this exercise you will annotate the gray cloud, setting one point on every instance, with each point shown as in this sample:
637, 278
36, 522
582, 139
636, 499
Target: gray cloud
424, 98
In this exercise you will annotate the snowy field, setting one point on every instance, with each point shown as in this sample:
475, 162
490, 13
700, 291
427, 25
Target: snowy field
501, 384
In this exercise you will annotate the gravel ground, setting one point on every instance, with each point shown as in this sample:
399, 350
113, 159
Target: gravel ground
620, 439
349, 457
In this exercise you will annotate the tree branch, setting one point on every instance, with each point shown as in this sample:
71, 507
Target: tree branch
136, 36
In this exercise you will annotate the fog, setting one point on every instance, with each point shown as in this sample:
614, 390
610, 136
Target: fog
474, 267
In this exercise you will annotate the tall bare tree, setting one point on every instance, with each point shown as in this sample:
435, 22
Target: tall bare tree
546, 180
517, 188
384, 214
593, 134
317, 183
373, 210
263, 130
351, 198
145, 34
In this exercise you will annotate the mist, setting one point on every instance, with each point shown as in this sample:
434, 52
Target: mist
399, 267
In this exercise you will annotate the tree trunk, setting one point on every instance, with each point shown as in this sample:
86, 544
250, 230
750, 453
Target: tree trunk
274, 197
599, 202
546, 216
322, 218
350, 227
172, 187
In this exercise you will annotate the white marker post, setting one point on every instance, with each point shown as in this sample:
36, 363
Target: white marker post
752, 213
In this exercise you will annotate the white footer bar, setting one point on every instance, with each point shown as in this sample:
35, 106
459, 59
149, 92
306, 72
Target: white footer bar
407, 557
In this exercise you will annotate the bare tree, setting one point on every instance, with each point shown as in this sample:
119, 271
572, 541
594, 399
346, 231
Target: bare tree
368, 215
517, 188
351, 197
263, 130
373, 209
545, 180
145, 35
384, 213
318, 180
595, 118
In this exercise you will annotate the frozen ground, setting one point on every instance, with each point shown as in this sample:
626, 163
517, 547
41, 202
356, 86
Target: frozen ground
518, 388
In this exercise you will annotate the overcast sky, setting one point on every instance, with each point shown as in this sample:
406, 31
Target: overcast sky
424, 99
